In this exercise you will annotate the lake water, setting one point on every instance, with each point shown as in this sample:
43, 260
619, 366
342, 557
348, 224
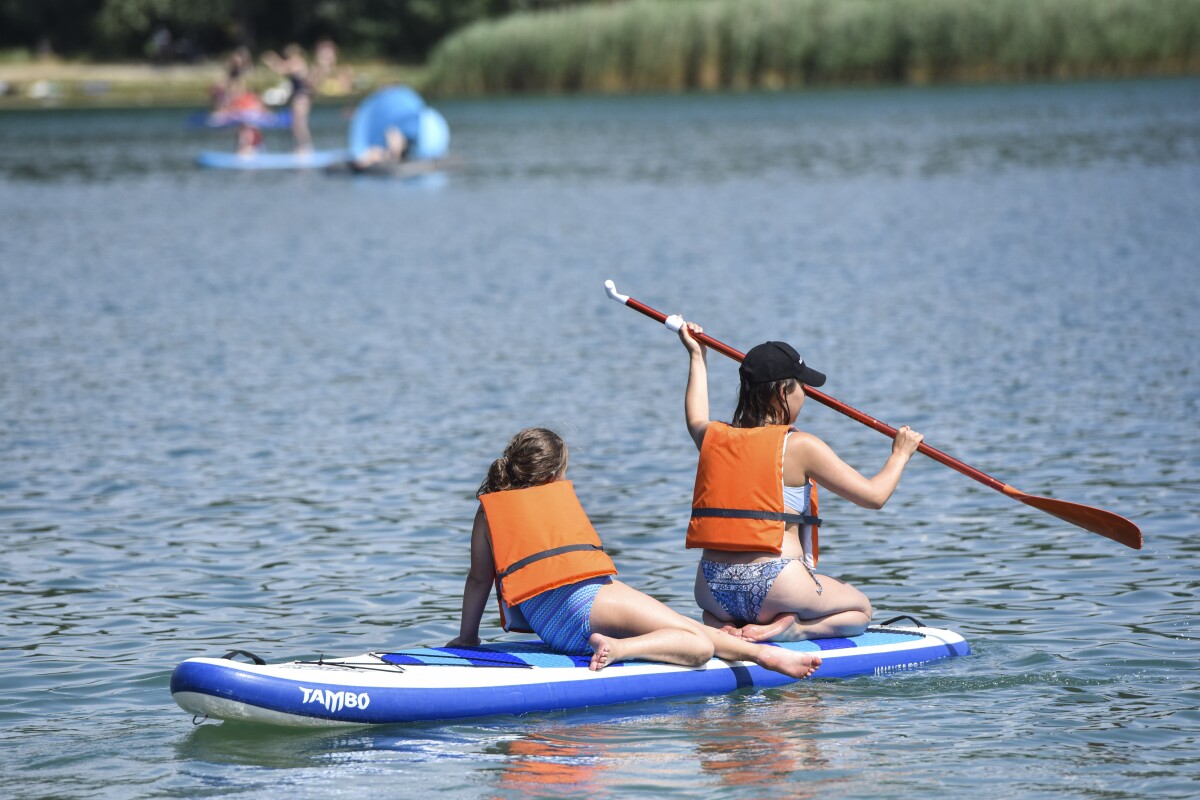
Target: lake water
251, 410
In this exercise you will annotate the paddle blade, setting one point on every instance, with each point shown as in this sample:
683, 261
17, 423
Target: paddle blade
1096, 520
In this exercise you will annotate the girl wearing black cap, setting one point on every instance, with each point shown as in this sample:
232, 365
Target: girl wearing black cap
754, 505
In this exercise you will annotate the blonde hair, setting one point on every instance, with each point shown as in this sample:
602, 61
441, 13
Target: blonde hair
533, 457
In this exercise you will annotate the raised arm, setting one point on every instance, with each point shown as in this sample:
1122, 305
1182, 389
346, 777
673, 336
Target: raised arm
809, 457
478, 588
274, 62
695, 398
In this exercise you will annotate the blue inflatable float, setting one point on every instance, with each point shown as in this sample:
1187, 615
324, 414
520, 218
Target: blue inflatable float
402, 108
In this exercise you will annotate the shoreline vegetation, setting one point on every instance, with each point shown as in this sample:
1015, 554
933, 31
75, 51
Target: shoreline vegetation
705, 45
710, 45
54, 83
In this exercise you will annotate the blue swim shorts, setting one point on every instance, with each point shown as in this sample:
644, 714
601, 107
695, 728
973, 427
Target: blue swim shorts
563, 616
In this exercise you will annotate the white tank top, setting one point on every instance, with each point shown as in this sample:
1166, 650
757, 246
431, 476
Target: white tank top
798, 498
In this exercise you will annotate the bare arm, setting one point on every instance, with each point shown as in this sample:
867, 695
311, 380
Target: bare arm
478, 588
695, 398
274, 63
809, 457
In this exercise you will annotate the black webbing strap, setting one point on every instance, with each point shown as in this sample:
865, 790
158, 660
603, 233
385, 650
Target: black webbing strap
554, 551
738, 513
259, 661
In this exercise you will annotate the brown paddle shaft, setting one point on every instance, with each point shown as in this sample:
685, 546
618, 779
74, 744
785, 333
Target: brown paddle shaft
1096, 520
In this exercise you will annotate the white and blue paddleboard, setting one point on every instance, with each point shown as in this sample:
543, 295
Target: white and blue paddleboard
444, 683
231, 119
313, 159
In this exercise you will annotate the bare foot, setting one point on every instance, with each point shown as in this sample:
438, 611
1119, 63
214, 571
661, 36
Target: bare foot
792, 663
713, 621
603, 651
783, 628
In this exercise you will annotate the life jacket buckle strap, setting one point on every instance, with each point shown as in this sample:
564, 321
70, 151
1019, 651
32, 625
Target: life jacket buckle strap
742, 513
554, 551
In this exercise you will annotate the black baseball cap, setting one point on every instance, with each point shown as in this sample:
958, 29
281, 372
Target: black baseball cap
775, 361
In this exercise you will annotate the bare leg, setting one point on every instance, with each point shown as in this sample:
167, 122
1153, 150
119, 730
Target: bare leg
671, 646
778, 659
628, 624
793, 610
300, 108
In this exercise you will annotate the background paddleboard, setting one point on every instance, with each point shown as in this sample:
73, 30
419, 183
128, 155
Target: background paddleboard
315, 159
231, 119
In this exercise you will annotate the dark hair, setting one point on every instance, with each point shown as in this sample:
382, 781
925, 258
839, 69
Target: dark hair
761, 404
533, 457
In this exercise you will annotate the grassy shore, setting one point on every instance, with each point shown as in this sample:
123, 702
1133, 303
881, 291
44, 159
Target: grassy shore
682, 45
679, 45
69, 84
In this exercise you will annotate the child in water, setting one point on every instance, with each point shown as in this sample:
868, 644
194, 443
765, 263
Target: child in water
533, 540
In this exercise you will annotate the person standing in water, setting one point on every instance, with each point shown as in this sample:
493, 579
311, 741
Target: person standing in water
754, 503
294, 67
533, 540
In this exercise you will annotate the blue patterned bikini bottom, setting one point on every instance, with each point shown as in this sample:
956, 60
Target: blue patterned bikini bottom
741, 588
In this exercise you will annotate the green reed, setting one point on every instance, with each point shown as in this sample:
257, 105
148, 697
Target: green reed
675, 45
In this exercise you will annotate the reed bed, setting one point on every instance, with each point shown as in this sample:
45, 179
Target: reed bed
680, 45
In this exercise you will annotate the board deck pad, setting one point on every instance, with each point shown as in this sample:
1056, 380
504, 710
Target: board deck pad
537, 654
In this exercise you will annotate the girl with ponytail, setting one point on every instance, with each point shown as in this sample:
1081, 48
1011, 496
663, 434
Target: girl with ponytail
532, 539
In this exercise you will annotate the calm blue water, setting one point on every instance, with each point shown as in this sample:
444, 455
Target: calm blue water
251, 410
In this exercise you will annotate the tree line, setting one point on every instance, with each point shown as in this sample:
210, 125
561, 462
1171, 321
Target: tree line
182, 30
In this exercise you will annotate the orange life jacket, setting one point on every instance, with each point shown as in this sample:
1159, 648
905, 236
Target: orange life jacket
541, 539
737, 504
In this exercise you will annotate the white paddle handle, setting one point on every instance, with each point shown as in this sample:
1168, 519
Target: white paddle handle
673, 322
611, 288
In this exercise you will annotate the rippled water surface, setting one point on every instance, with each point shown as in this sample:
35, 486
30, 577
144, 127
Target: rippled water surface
251, 410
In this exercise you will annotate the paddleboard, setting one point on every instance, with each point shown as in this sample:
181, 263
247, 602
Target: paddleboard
231, 119
402, 170
445, 683
315, 159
